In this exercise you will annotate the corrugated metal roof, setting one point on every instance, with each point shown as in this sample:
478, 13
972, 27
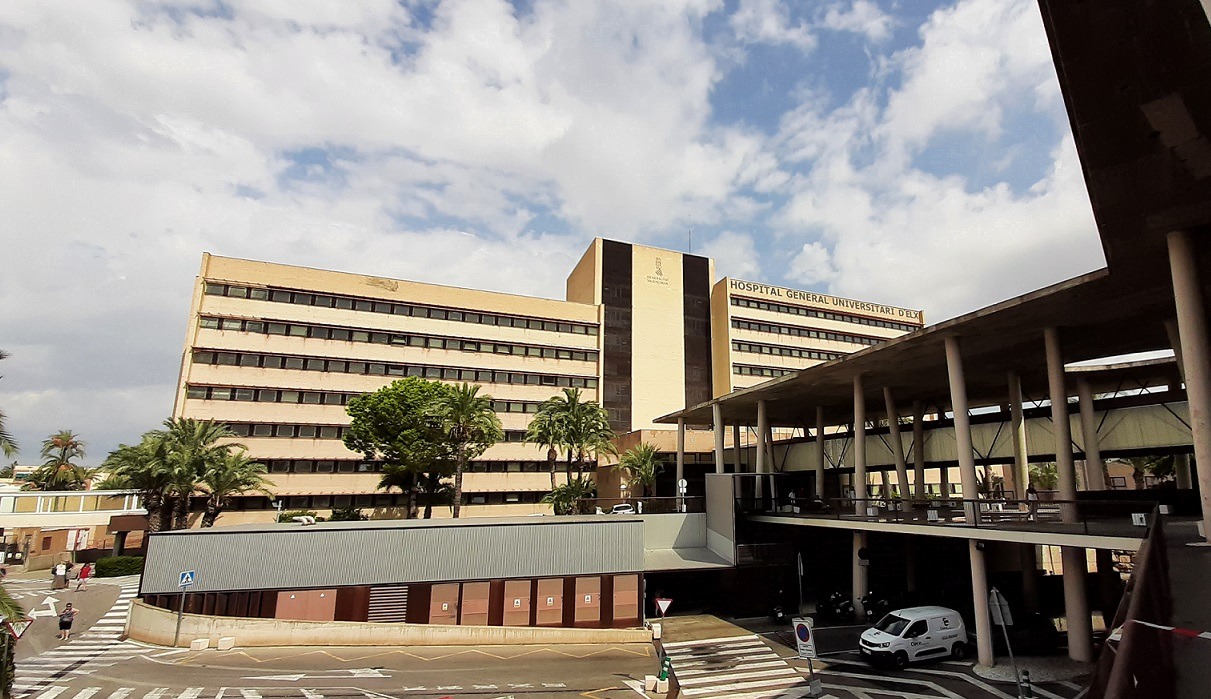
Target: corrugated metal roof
289, 556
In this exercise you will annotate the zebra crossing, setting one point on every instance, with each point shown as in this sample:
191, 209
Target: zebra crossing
96, 692
97, 647
737, 667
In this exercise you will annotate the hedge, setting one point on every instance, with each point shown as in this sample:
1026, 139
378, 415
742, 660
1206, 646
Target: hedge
113, 566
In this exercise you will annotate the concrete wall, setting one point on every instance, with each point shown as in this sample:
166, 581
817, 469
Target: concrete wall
667, 531
157, 626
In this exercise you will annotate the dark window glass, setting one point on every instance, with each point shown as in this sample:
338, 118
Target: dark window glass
312, 398
363, 306
222, 394
259, 294
329, 432
250, 360
212, 289
294, 362
244, 394
344, 303
333, 398
209, 323
267, 396
307, 431
315, 365
280, 296
196, 392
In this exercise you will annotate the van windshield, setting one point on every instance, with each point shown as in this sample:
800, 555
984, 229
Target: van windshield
892, 624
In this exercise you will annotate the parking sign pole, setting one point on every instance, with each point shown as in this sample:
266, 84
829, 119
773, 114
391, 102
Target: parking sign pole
180, 610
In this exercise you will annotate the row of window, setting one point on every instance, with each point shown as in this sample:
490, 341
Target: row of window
276, 395
745, 370
779, 351
353, 466
327, 332
264, 429
366, 502
778, 329
344, 366
826, 315
354, 303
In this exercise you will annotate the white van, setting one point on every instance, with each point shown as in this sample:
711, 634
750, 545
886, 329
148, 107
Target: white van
916, 633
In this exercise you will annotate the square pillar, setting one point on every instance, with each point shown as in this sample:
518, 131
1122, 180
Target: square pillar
897, 443
979, 597
861, 491
717, 417
820, 452
918, 449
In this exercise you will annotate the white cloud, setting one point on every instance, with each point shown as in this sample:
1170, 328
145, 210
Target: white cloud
769, 22
735, 256
863, 17
812, 265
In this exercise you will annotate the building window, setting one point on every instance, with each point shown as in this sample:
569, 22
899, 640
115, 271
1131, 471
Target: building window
790, 309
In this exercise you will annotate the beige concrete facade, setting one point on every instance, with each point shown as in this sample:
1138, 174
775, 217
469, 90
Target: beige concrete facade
277, 351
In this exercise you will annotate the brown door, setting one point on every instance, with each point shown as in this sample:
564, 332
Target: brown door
626, 600
517, 602
306, 605
549, 610
588, 601
474, 610
443, 604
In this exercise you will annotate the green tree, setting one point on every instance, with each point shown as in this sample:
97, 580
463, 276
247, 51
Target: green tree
400, 424
1156, 466
190, 448
546, 431
1044, 476
470, 426
59, 471
583, 428
9, 611
434, 490
347, 514
568, 499
8, 445
143, 467
641, 465
232, 474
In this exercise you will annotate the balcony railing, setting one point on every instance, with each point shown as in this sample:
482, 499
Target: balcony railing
1089, 517
648, 506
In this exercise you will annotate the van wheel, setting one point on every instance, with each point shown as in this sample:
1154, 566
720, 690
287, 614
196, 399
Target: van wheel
900, 660
959, 651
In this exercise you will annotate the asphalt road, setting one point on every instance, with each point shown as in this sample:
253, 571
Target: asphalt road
32, 595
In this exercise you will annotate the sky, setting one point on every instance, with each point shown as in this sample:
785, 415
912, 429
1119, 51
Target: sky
906, 152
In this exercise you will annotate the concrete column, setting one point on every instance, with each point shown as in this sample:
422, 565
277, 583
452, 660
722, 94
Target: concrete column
1060, 424
884, 484
1028, 559
918, 449
861, 492
1021, 457
820, 452
861, 574
1076, 604
119, 543
736, 430
1196, 357
680, 462
1181, 469
720, 428
958, 400
979, 595
944, 481
897, 443
1095, 474
762, 467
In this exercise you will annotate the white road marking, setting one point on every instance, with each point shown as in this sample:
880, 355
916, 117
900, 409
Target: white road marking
87, 692
52, 693
121, 693
311, 694
190, 693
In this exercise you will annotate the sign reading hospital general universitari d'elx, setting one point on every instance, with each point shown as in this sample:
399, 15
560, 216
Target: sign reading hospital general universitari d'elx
810, 297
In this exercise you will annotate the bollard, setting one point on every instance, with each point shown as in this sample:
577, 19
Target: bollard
665, 668
1027, 690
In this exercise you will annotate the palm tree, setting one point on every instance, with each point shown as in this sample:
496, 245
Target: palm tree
641, 466
191, 448
546, 430
583, 428
8, 445
234, 474
143, 467
471, 426
58, 470
9, 611
404, 478
567, 499
435, 491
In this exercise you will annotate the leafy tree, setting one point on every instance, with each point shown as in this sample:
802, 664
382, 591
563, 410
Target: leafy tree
471, 426
190, 449
1155, 466
546, 430
8, 445
433, 490
1044, 476
568, 499
233, 474
9, 611
641, 466
583, 427
143, 467
400, 424
59, 471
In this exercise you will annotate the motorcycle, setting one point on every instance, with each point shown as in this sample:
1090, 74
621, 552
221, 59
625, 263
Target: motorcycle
874, 607
835, 607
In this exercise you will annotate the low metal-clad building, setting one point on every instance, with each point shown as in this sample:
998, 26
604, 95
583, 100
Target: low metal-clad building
527, 571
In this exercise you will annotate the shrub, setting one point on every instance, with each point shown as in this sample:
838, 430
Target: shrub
289, 515
347, 514
113, 566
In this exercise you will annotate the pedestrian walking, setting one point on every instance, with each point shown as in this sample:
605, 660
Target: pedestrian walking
1032, 500
60, 576
66, 617
82, 577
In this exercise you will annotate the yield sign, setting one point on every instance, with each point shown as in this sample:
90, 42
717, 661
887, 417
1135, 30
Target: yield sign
662, 603
16, 627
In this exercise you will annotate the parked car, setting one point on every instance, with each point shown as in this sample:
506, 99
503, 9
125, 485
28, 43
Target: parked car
915, 633
623, 509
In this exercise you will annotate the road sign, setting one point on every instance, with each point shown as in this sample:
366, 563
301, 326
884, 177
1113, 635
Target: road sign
662, 603
18, 626
683, 484
999, 609
188, 578
805, 639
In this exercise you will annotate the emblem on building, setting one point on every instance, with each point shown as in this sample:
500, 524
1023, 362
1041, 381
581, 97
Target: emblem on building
659, 271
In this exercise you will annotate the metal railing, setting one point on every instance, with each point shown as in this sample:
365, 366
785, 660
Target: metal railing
648, 505
1092, 517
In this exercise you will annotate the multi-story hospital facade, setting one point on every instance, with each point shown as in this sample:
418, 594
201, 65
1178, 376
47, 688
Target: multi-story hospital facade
276, 352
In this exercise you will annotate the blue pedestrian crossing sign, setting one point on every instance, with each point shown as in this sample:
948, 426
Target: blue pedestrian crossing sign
188, 577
